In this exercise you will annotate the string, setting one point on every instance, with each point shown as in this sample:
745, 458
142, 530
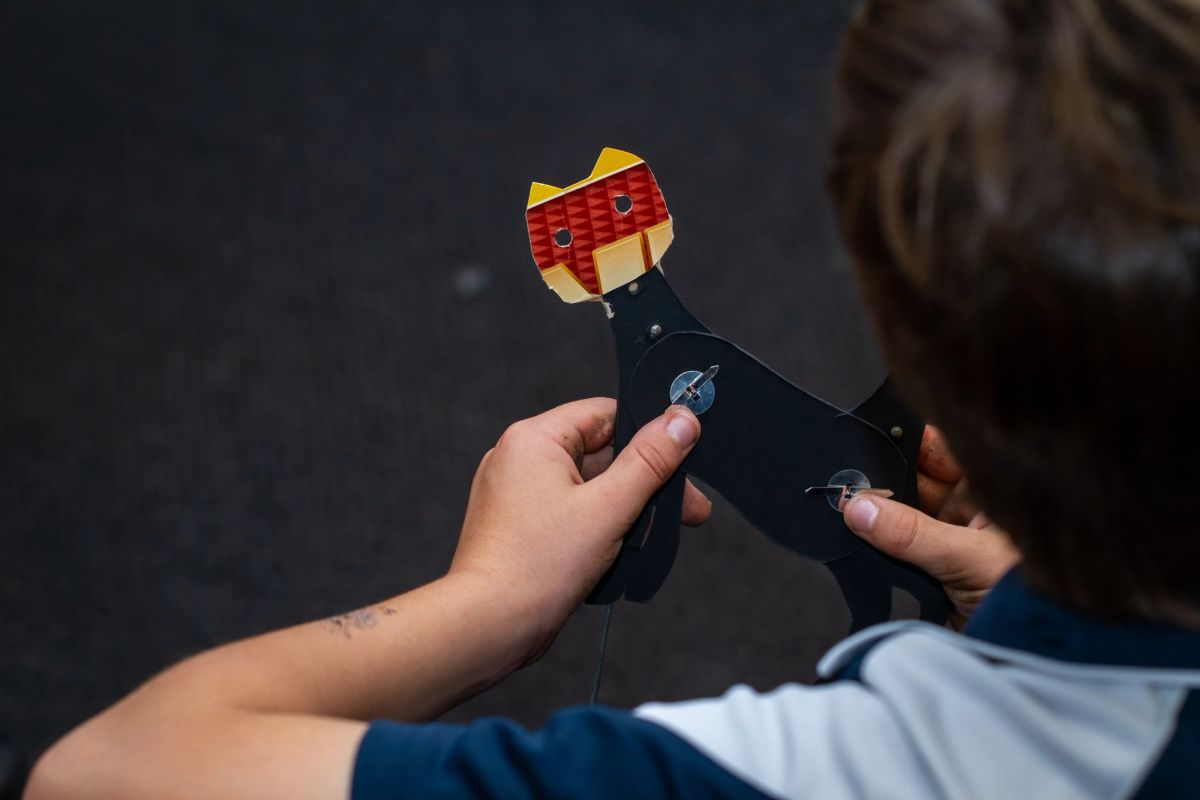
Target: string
600, 660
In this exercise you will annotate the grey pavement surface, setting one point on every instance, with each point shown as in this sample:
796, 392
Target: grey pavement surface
266, 299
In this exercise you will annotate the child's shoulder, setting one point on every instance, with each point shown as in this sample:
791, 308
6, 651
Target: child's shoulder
1033, 701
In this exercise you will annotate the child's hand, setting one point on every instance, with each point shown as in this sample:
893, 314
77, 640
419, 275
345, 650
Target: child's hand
957, 545
549, 504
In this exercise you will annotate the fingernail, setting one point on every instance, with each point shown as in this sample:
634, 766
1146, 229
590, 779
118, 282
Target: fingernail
860, 514
683, 427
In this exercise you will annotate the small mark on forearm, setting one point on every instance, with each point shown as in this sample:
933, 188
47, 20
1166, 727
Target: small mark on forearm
358, 620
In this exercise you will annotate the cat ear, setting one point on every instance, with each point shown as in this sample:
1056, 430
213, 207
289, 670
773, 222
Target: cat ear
611, 159
539, 192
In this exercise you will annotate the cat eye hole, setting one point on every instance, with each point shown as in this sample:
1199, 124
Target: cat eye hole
623, 203
562, 238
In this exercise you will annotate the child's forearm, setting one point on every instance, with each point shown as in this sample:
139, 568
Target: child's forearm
408, 658
258, 718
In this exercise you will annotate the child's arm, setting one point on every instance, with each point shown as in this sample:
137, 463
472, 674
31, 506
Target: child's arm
958, 545
274, 716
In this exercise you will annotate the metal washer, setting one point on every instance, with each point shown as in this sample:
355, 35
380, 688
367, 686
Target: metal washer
847, 477
702, 402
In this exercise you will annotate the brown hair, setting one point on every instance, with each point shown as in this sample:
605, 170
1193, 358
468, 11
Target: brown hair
1017, 181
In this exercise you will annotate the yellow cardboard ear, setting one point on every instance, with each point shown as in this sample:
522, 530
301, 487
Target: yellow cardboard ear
611, 159
539, 192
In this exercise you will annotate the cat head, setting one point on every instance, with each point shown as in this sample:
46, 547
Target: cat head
600, 233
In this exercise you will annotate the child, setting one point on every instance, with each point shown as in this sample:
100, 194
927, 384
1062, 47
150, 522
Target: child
1017, 181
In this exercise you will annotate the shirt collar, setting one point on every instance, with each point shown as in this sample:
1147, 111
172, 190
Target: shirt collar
1017, 616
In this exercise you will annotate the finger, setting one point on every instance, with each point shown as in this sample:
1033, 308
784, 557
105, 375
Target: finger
979, 521
595, 463
581, 427
935, 458
646, 463
944, 551
697, 508
932, 493
959, 508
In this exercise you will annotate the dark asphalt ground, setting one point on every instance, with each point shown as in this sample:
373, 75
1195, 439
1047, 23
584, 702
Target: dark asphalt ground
266, 299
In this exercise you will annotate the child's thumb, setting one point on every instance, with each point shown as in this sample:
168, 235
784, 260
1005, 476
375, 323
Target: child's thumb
906, 533
647, 462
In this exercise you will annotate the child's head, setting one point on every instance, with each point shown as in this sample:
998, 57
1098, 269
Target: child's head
1017, 181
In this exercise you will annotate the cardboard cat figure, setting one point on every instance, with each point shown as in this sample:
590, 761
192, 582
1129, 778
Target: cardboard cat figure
781, 456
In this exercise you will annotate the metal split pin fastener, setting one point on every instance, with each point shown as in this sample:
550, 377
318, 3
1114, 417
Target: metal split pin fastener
848, 490
695, 390
845, 491
843, 485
